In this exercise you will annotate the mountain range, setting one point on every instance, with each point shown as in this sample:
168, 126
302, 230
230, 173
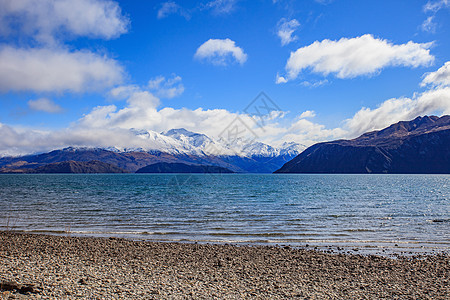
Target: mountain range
173, 146
419, 146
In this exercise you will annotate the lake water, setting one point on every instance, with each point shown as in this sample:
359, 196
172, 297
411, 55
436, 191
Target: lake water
372, 212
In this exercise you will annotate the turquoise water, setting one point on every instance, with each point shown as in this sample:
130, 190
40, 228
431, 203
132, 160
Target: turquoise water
412, 211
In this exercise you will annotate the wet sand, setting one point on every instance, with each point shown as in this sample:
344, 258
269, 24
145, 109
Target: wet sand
36, 266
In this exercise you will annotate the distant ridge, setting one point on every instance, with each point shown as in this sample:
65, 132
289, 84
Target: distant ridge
181, 168
419, 146
75, 167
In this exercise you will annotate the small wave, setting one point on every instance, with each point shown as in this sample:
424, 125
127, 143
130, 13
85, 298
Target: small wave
341, 216
107, 233
372, 242
268, 234
45, 231
439, 221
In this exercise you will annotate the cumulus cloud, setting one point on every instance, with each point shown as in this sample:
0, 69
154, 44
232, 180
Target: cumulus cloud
220, 52
166, 88
109, 125
46, 19
45, 105
348, 58
141, 112
19, 141
307, 114
285, 30
307, 132
46, 70
399, 109
123, 92
439, 78
48, 66
280, 79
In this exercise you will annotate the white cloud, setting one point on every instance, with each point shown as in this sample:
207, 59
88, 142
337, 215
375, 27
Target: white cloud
364, 55
124, 91
107, 126
166, 88
436, 5
307, 114
168, 8
220, 51
46, 19
46, 70
307, 133
280, 79
286, 30
399, 109
432, 7
429, 25
141, 112
221, 6
47, 66
216, 7
314, 84
45, 105
325, 2
439, 78
19, 141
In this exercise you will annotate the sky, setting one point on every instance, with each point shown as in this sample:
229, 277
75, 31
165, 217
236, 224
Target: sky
85, 72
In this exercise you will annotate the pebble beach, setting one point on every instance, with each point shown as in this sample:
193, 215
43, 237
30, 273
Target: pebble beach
37, 266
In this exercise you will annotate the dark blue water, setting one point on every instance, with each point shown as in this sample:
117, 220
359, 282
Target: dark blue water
412, 211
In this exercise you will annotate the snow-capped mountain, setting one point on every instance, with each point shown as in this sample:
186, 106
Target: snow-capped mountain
197, 143
182, 141
291, 148
173, 146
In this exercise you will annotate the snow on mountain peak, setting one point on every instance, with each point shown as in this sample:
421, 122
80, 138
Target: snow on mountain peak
291, 148
182, 141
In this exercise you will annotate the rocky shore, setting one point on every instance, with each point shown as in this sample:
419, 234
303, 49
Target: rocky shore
60, 267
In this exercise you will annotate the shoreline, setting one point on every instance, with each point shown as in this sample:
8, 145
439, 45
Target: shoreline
36, 266
389, 248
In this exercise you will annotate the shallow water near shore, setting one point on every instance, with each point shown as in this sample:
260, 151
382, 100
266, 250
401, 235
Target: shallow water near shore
372, 213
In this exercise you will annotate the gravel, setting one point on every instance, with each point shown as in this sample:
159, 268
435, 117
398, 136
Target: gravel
36, 266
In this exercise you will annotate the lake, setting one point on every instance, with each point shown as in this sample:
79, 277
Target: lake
372, 212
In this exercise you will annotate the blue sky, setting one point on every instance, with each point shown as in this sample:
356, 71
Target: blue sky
77, 73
